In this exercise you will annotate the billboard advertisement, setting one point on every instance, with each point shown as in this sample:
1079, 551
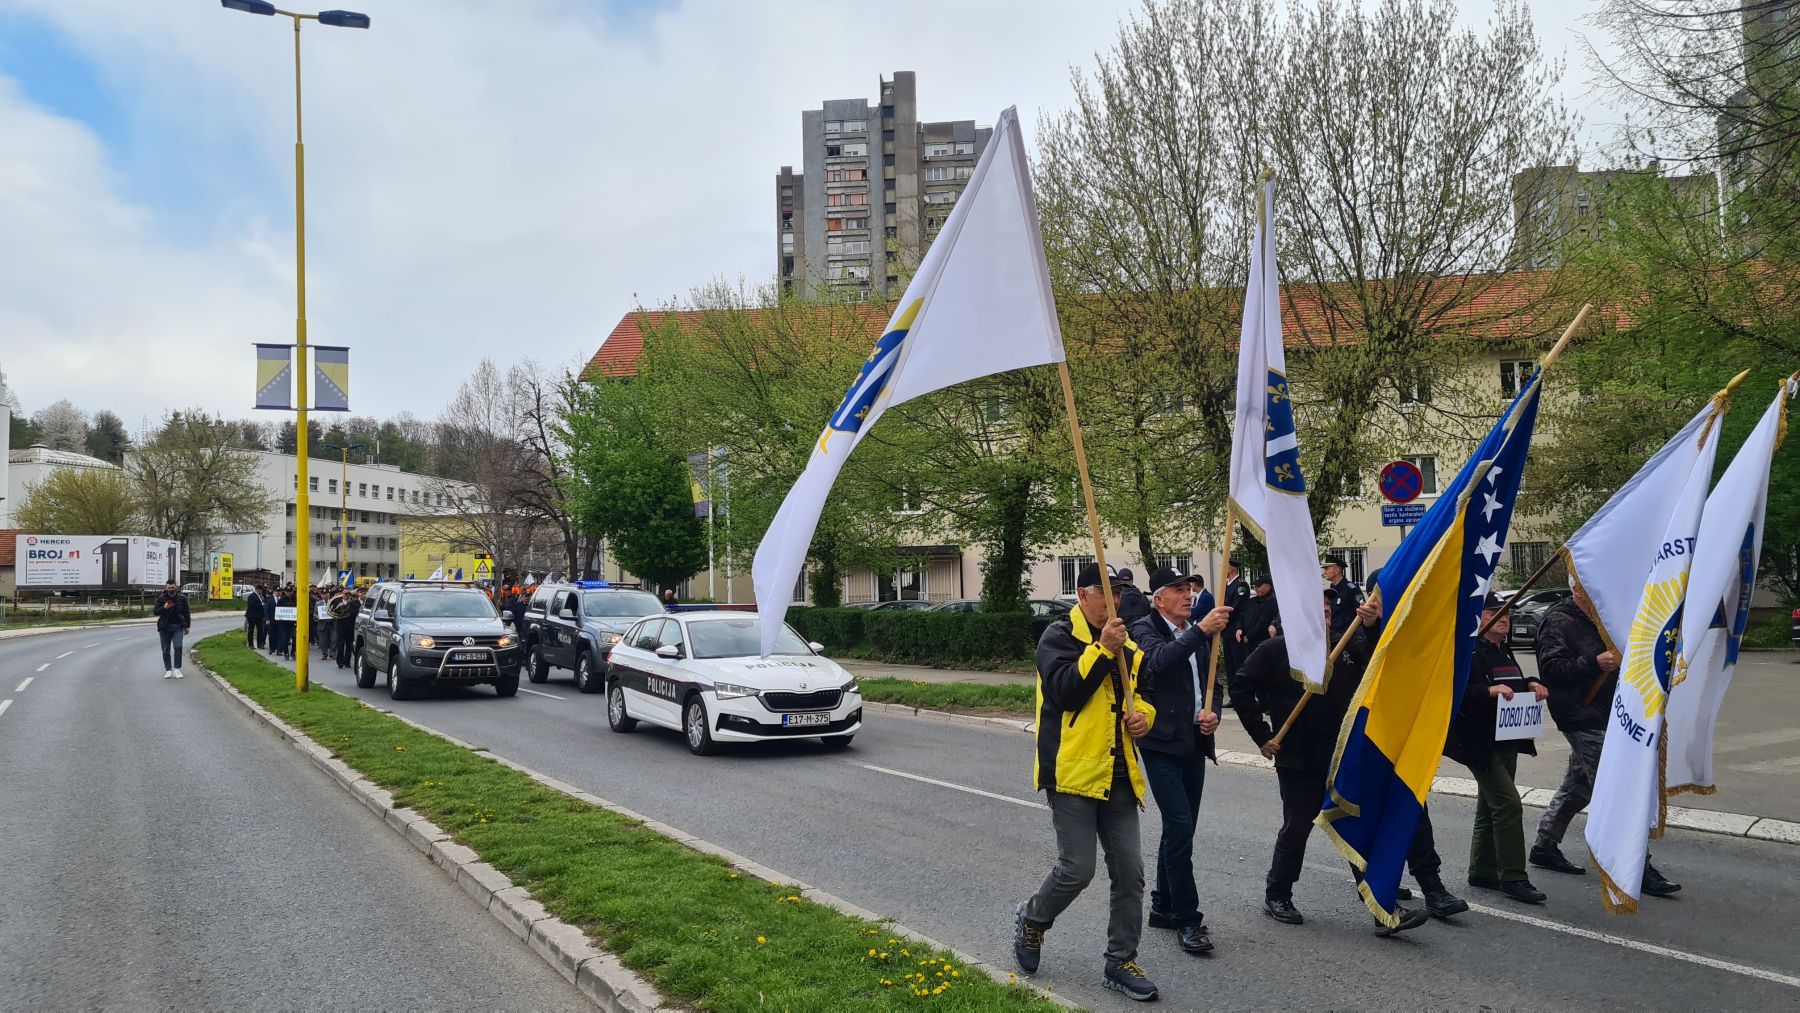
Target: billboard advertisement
94, 562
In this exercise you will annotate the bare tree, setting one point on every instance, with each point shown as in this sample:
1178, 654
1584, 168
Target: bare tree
61, 426
194, 482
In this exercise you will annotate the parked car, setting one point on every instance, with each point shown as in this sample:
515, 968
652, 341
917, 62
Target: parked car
1044, 611
427, 632
702, 674
192, 590
1528, 611
902, 605
574, 625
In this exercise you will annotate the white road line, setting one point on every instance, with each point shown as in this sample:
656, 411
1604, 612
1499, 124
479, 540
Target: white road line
120, 640
43, 666
1027, 803
86, 646
5, 704
64, 655
24, 684
534, 692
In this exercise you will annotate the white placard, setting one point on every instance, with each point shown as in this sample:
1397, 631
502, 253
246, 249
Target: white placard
323, 611
286, 614
1522, 717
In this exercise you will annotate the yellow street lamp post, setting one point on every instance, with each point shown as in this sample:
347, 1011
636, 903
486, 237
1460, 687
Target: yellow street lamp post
302, 507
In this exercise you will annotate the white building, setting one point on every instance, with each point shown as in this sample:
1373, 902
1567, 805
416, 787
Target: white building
31, 466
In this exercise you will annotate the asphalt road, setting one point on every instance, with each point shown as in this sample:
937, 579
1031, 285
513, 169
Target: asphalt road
935, 824
162, 851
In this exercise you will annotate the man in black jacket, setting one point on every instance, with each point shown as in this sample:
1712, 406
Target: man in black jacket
1175, 640
343, 615
1132, 603
1582, 673
1264, 693
253, 619
1345, 595
1260, 613
172, 623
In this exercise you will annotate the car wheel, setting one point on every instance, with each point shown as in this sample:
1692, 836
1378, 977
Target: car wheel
536, 669
837, 741
615, 709
398, 688
507, 687
585, 679
699, 731
365, 672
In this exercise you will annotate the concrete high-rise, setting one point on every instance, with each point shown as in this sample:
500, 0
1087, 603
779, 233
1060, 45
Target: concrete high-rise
875, 186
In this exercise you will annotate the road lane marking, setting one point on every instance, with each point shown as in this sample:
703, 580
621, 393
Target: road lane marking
43, 666
120, 640
1642, 947
534, 692
5, 704
24, 684
64, 655
1027, 803
94, 644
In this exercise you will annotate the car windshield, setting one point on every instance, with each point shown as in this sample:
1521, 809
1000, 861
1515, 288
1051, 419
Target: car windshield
446, 605
619, 604
739, 638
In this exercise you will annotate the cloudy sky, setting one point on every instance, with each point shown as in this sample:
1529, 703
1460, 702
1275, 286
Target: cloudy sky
483, 179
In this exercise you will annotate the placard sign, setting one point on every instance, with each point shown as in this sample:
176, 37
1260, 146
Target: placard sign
1522, 717
286, 614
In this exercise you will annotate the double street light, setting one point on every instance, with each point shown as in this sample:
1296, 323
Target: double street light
303, 532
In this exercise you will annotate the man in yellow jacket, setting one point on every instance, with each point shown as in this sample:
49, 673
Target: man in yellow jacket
1088, 715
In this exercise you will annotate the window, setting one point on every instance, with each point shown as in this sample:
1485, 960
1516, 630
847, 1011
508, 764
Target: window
331, 486
941, 197
964, 171
390, 490
1356, 557
1513, 375
1070, 567
365, 516
312, 483
856, 223
1427, 465
834, 126
1180, 562
834, 175
855, 126
832, 150
1414, 389
858, 150
800, 587
965, 147
938, 172
993, 409
1524, 558
908, 583
938, 150
908, 503
362, 489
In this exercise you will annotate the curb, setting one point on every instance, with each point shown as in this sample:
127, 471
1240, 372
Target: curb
1706, 821
599, 975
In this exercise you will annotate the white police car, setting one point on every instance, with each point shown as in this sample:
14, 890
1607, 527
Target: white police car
702, 674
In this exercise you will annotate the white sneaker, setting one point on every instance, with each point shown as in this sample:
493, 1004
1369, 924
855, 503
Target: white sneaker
169, 673
178, 673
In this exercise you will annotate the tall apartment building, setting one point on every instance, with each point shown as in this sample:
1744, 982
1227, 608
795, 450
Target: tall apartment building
1555, 206
875, 186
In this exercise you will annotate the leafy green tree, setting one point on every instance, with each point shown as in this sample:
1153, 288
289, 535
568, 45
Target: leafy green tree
80, 501
24, 432
107, 438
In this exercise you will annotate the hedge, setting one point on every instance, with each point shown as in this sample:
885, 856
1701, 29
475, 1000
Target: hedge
920, 638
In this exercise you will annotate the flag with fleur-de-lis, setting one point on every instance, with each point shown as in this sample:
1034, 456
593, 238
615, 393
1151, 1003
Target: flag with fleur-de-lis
1268, 491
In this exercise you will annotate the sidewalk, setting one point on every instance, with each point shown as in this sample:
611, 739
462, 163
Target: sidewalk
1756, 750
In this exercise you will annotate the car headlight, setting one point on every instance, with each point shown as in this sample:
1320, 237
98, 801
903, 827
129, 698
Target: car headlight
610, 639
732, 691
852, 686
421, 641
507, 640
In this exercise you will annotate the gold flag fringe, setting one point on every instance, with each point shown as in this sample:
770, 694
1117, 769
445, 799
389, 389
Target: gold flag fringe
1625, 904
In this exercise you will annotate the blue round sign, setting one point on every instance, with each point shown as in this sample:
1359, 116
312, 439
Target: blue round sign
1401, 482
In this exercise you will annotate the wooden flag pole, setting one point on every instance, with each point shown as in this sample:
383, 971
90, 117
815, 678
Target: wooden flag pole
1218, 640
1093, 514
1337, 651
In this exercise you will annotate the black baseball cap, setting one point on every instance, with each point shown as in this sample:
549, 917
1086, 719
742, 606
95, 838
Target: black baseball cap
1127, 577
1164, 576
1492, 602
1337, 561
1236, 562
1090, 575
1261, 579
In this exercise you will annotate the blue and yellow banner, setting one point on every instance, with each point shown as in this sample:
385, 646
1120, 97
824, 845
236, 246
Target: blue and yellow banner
275, 377
1432, 590
331, 378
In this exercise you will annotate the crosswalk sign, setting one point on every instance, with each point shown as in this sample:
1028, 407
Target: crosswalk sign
484, 570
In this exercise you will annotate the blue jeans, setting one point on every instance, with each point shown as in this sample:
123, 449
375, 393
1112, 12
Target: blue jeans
171, 639
1176, 783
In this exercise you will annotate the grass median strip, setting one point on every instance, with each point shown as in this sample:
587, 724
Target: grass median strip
700, 931
956, 697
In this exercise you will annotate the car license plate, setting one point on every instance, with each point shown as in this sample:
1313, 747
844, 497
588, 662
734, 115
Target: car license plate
468, 657
805, 720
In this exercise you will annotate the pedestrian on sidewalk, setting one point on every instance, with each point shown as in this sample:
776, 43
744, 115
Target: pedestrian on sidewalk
1264, 692
1497, 848
1174, 638
253, 618
1087, 675
1582, 673
173, 622
343, 616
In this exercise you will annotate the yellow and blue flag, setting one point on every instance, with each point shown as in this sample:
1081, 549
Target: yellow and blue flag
1433, 587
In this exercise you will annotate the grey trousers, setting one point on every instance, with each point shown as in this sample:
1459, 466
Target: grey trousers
1577, 787
1080, 824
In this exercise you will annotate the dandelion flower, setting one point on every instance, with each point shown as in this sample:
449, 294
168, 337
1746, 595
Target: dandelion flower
760, 940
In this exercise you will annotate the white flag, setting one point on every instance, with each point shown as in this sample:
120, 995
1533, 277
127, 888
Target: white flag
530, 580
437, 574
1718, 601
979, 304
1627, 796
1267, 490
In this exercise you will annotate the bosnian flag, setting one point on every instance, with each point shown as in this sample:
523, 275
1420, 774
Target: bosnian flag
1268, 492
979, 304
1718, 601
1627, 796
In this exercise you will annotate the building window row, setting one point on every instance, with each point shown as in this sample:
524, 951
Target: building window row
835, 200
846, 126
845, 175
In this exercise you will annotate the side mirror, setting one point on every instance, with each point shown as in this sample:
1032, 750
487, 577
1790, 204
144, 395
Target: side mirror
382, 616
569, 612
668, 651
817, 648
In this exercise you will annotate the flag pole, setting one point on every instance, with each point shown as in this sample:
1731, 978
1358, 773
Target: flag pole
1218, 640
1093, 515
1337, 651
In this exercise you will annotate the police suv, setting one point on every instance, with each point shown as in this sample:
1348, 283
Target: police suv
575, 625
426, 632
702, 674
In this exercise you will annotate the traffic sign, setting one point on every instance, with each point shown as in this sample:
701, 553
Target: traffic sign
1401, 482
1401, 515
484, 570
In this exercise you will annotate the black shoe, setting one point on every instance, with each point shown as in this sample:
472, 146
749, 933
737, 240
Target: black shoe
1440, 902
1194, 939
1283, 911
1410, 918
1522, 890
1655, 885
1128, 977
1158, 920
1028, 942
1549, 856
1486, 883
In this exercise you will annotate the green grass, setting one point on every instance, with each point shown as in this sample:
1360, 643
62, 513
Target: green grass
960, 697
698, 930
